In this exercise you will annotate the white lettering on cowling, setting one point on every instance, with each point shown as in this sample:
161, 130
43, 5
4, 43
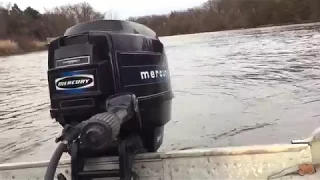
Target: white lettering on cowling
153, 74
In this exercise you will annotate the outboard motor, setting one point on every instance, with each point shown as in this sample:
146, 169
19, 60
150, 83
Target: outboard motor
110, 88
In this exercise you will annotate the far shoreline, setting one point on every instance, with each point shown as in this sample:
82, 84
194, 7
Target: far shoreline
22, 53
20, 46
44, 46
254, 28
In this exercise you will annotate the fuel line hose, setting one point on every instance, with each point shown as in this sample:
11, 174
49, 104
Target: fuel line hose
54, 161
69, 134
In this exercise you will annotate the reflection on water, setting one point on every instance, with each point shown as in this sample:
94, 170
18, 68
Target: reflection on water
240, 87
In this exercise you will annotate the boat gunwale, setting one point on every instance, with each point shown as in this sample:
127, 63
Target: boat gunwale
159, 156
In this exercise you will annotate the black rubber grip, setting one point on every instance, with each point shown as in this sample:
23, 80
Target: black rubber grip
111, 119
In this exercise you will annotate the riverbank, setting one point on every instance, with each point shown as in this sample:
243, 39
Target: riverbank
10, 47
25, 45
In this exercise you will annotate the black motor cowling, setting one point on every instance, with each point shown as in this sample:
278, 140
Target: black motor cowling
97, 59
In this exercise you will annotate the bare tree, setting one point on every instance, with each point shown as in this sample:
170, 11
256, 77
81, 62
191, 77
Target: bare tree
83, 12
3, 21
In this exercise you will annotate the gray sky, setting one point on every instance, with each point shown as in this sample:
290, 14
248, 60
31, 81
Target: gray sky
123, 8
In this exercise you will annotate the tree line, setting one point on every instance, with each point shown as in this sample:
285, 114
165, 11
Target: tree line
216, 15
16, 23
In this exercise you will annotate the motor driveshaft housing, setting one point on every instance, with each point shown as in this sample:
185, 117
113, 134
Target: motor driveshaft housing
97, 59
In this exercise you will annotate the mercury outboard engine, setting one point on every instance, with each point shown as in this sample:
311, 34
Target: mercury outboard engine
110, 89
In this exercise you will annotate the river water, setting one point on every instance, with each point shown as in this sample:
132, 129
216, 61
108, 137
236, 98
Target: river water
239, 87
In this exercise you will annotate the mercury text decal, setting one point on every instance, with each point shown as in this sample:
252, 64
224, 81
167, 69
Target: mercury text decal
80, 81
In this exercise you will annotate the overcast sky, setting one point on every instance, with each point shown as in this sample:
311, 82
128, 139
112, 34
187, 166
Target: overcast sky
123, 8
